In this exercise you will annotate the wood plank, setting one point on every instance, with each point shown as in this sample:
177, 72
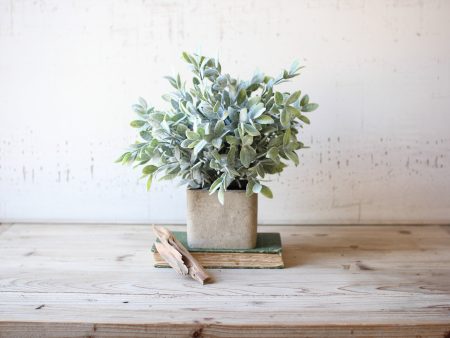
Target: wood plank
99, 280
236, 310
70, 329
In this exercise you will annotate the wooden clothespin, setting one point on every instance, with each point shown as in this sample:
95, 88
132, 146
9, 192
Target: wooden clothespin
177, 256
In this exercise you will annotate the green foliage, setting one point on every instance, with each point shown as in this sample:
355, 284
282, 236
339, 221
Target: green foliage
220, 133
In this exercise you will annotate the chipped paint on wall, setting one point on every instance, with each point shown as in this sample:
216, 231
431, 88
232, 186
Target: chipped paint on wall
380, 70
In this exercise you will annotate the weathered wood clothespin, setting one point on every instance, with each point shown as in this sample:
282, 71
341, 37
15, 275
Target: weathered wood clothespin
177, 256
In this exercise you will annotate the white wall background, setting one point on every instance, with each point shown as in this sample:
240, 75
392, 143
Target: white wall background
69, 71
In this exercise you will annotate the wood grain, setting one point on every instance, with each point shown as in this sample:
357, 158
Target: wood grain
98, 280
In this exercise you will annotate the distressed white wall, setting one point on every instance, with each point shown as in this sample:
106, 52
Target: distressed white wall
69, 71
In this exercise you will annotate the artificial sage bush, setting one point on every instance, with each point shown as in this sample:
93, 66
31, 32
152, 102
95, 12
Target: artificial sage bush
220, 133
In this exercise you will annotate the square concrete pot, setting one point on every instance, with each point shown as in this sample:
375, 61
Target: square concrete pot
216, 226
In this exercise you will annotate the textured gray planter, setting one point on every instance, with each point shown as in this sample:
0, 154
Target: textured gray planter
215, 226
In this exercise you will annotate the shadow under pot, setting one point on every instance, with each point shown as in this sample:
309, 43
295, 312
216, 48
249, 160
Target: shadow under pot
211, 225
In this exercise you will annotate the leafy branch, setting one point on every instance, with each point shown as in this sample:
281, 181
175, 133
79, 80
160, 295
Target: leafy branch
220, 133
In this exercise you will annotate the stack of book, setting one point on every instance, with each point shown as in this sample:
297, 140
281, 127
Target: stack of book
266, 255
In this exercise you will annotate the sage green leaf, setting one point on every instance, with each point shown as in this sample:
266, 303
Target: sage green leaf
273, 153
243, 115
294, 97
242, 95
207, 129
293, 157
227, 180
249, 188
142, 102
253, 101
251, 130
221, 80
247, 140
215, 185
217, 142
232, 140
214, 165
137, 123
146, 135
181, 129
279, 98
201, 131
127, 157
199, 146
310, 107
270, 103
258, 78
304, 100
257, 187
241, 130
304, 119
276, 141
265, 190
293, 111
192, 135
177, 153
231, 156
294, 67
260, 170
216, 107
149, 169
275, 111
221, 195
210, 72
215, 154
138, 109
287, 137
175, 104
285, 118
256, 110
186, 57
252, 88
225, 114
165, 126
233, 172
158, 117
218, 129
264, 119
120, 159
196, 175
247, 155
185, 143
193, 144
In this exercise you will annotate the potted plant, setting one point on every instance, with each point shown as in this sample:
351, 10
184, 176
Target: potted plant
220, 135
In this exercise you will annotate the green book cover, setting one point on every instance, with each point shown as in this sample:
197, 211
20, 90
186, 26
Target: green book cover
266, 242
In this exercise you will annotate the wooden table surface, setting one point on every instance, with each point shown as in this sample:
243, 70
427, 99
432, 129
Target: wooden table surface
98, 280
